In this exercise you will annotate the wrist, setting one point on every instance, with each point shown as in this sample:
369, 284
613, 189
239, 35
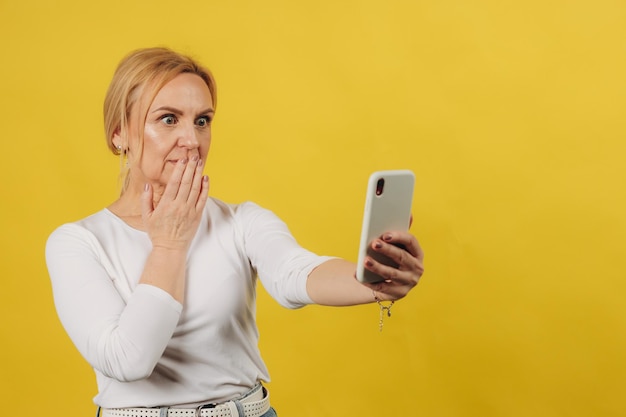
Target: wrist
170, 247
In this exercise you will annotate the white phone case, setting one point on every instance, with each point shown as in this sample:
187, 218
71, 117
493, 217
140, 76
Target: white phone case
387, 207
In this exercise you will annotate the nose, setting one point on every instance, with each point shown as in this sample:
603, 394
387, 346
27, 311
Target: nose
188, 137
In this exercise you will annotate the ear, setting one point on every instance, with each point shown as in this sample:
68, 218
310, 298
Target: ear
117, 139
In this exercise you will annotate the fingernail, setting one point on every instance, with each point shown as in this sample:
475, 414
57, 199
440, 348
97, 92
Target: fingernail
183, 161
369, 263
205, 178
378, 244
146, 187
194, 158
387, 237
200, 162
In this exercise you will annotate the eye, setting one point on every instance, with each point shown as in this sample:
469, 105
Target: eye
203, 121
168, 119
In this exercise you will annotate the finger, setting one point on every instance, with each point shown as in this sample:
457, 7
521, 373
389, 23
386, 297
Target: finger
186, 180
405, 240
403, 259
405, 255
196, 183
204, 194
391, 287
396, 282
400, 256
385, 272
171, 189
147, 205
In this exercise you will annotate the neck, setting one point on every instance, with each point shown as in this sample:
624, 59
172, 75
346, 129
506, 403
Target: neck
128, 205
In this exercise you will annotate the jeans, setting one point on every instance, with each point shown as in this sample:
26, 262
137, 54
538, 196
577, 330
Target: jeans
270, 413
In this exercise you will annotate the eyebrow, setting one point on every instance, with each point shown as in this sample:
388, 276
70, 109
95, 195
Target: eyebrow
178, 112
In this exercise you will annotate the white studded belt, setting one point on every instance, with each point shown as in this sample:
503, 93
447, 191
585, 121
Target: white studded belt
253, 405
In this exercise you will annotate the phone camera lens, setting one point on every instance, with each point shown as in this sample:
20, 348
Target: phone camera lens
380, 185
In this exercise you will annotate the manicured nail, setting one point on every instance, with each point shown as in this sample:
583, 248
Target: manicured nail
183, 161
369, 263
200, 163
387, 237
194, 158
378, 244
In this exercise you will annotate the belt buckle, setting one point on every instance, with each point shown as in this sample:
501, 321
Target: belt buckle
204, 407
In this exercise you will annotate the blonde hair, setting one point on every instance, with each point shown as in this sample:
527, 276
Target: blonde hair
140, 75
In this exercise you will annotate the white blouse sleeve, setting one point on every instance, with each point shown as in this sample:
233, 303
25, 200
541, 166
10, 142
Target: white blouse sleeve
282, 265
122, 339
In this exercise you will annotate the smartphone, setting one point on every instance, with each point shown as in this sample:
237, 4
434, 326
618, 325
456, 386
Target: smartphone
387, 207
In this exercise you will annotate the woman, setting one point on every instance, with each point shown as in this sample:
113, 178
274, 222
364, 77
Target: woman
157, 291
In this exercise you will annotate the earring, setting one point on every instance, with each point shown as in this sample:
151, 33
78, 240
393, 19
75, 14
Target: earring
123, 153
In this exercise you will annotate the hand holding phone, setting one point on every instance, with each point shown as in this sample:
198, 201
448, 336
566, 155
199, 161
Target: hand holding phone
387, 208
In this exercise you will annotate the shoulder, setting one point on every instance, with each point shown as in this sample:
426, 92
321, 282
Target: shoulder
79, 232
239, 212
248, 218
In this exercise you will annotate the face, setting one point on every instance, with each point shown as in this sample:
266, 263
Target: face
178, 125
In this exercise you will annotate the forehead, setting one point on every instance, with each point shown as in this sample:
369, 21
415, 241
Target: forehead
185, 89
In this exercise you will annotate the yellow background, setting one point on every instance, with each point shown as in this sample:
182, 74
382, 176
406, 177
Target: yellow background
510, 113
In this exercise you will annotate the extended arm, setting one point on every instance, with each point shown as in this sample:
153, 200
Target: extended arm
334, 283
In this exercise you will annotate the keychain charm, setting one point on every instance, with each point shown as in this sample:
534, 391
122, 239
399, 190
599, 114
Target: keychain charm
383, 309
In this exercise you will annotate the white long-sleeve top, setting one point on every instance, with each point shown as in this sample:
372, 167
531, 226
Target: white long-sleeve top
144, 346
